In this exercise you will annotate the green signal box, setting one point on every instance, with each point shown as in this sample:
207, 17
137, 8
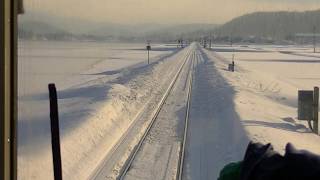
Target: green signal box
308, 108
305, 105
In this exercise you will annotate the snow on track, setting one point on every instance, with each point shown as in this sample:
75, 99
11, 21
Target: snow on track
158, 157
119, 159
215, 135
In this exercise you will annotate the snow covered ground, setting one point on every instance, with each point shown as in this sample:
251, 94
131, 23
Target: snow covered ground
257, 102
215, 134
103, 88
158, 157
100, 89
267, 85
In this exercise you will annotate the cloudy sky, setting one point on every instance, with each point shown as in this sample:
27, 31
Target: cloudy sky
164, 11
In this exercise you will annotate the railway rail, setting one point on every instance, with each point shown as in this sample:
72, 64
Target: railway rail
189, 57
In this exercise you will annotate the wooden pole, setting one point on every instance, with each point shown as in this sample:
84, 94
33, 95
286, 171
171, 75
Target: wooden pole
316, 110
55, 134
314, 39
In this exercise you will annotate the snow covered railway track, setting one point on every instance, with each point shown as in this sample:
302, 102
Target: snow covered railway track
185, 132
180, 158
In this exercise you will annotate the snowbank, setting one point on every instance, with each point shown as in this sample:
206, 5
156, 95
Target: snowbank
93, 116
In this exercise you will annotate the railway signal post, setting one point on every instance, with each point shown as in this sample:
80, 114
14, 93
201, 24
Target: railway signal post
148, 49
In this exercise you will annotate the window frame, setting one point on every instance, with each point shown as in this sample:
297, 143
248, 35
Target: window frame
8, 89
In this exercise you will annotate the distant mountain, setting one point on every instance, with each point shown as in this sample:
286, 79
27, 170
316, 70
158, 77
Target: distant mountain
35, 23
275, 25
40, 28
66, 24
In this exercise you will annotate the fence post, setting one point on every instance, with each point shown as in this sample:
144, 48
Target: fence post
55, 134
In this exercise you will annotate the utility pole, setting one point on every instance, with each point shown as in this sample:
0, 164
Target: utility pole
210, 41
205, 42
148, 56
180, 43
314, 39
230, 39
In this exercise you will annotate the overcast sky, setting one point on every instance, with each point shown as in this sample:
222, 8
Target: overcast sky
164, 11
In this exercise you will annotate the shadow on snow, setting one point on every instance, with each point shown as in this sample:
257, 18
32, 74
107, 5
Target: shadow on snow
216, 135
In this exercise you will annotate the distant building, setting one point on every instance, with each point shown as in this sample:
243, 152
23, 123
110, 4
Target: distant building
306, 38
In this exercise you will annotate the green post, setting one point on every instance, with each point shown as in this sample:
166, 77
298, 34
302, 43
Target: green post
316, 110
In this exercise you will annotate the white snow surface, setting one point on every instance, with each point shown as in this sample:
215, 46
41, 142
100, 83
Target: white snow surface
257, 102
158, 157
101, 88
215, 134
263, 92
99, 96
266, 85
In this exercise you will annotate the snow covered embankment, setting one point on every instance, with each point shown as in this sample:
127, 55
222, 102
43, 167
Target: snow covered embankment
87, 145
93, 117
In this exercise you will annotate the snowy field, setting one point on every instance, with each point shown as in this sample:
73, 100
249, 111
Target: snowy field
101, 86
266, 82
257, 102
68, 63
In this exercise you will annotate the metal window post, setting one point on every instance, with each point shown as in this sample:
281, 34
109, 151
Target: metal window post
8, 89
4, 119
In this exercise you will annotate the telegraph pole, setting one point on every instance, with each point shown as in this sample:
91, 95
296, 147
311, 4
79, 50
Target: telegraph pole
210, 41
314, 39
148, 56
